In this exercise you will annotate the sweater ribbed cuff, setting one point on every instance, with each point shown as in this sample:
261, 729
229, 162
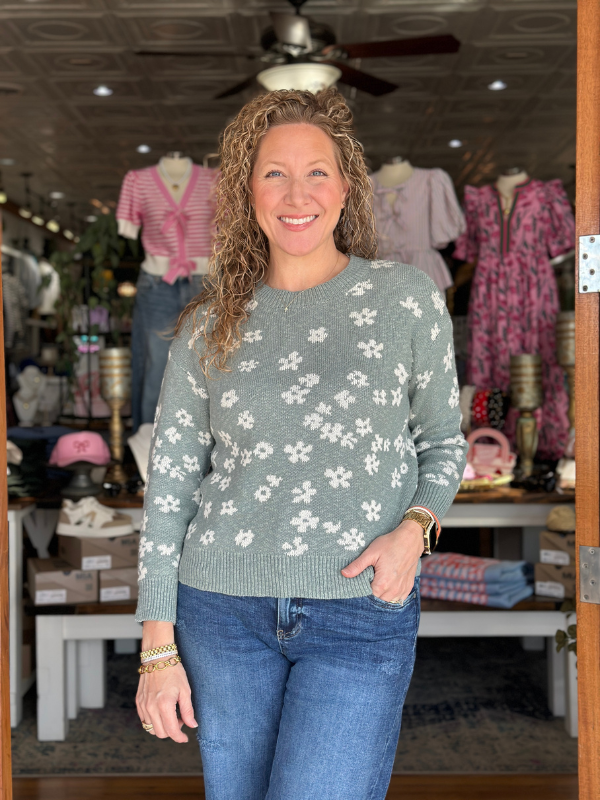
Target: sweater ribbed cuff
429, 496
157, 600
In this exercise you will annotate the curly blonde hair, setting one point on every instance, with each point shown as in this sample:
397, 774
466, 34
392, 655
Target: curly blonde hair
241, 250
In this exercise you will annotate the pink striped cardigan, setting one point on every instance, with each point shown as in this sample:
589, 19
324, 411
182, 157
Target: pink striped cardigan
180, 230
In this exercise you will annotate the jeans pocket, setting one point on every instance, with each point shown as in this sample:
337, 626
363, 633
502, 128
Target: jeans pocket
380, 603
146, 282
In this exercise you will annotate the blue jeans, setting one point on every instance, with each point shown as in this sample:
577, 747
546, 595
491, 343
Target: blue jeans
157, 308
297, 699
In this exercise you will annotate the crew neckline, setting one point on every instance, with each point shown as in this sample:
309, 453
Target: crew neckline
280, 299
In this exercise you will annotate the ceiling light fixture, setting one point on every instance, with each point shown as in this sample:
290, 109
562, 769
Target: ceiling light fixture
53, 226
68, 234
3, 197
37, 220
307, 77
103, 91
57, 195
143, 148
25, 213
497, 86
7, 162
455, 143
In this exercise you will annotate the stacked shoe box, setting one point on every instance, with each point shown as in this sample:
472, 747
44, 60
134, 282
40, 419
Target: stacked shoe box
555, 572
97, 550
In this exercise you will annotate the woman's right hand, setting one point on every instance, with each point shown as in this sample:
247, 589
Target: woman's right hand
160, 691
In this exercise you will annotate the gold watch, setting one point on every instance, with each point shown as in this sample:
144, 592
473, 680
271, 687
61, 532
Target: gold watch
429, 529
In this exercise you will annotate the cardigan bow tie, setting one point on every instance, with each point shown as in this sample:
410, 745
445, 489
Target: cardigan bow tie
180, 265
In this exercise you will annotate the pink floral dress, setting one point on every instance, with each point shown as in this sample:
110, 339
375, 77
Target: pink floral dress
514, 298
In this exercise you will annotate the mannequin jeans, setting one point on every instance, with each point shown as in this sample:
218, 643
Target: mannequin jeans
157, 308
297, 699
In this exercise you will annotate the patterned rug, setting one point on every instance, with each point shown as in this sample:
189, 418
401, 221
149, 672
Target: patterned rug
474, 705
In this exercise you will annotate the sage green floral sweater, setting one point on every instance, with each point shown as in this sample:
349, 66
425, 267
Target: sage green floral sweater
339, 412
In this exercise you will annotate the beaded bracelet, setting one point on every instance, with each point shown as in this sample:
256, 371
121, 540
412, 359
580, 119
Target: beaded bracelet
157, 651
167, 655
172, 662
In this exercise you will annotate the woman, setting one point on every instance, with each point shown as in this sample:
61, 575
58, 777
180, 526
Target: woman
310, 403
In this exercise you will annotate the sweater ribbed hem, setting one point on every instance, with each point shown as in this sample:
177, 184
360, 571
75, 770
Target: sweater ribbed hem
264, 575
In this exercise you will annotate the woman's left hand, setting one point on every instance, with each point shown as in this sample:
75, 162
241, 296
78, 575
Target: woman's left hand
395, 557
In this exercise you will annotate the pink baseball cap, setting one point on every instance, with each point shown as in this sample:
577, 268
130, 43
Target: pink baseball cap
80, 446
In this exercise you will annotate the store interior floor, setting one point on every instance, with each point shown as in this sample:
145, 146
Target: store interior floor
402, 787
475, 706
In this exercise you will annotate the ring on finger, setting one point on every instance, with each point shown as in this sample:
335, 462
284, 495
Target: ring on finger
147, 726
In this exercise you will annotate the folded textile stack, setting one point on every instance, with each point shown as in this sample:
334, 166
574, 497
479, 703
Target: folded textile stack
469, 579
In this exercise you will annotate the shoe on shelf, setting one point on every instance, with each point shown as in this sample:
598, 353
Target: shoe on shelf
87, 518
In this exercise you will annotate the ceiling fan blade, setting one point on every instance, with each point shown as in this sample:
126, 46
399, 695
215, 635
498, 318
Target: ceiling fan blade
176, 54
422, 45
239, 87
362, 80
291, 29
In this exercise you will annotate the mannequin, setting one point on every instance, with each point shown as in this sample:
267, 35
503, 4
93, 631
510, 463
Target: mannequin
395, 171
32, 383
172, 203
417, 214
506, 183
175, 170
514, 227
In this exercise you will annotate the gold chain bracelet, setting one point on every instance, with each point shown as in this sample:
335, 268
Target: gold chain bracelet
156, 651
172, 662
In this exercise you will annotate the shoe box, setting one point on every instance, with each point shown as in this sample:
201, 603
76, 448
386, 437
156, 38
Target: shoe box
98, 553
557, 548
53, 581
554, 580
118, 584
555, 574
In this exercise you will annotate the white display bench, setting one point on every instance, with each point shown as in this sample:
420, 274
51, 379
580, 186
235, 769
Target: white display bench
71, 666
17, 513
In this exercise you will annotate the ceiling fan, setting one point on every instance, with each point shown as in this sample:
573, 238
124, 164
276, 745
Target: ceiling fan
296, 39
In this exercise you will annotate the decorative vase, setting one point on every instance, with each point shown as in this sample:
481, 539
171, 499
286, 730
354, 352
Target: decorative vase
115, 387
565, 348
526, 395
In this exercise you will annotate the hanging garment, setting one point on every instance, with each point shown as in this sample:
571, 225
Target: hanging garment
514, 297
422, 217
177, 236
27, 270
16, 307
49, 293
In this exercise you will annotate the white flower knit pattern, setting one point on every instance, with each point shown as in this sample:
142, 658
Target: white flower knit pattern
332, 420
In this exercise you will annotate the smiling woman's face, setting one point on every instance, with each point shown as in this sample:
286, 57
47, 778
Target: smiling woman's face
298, 190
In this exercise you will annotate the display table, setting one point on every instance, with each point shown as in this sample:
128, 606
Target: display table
71, 641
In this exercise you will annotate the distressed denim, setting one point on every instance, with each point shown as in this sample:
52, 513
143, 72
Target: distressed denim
297, 699
156, 311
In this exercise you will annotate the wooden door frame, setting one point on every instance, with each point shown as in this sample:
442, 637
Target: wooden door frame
587, 383
5, 737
